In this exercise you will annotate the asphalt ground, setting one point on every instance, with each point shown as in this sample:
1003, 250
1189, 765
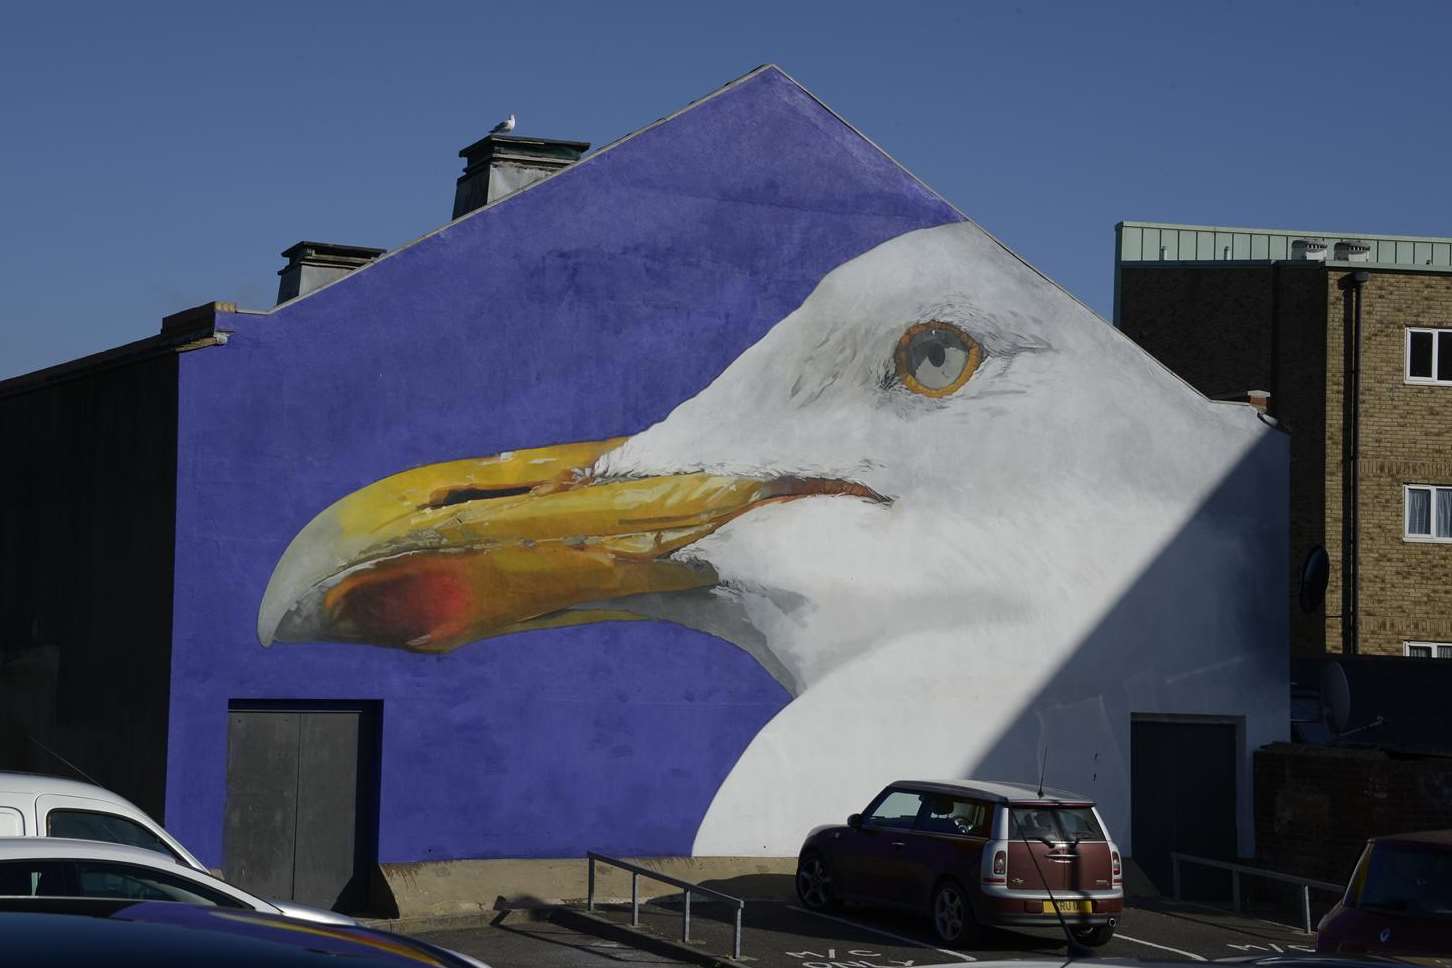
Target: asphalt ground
780, 934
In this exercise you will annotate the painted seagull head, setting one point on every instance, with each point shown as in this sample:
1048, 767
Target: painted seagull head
904, 451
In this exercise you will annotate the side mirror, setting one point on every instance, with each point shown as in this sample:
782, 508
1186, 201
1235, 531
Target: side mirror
855, 821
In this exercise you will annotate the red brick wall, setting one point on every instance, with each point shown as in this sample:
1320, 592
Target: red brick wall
1315, 806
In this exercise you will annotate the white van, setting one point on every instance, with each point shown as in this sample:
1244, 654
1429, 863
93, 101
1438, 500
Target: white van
32, 805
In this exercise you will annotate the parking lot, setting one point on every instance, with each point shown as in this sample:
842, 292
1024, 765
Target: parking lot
779, 934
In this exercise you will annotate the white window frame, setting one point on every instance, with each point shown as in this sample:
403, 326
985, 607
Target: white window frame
1432, 520
1440, 650
1426, 381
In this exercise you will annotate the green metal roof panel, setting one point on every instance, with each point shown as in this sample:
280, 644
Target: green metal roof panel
1173, 242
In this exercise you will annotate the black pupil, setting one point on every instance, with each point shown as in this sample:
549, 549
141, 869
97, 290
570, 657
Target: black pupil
936, 354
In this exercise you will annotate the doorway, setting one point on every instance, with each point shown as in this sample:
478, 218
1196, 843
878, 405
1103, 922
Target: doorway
301, 820
1183, 798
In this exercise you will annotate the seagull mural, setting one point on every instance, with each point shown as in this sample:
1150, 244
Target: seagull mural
910, 501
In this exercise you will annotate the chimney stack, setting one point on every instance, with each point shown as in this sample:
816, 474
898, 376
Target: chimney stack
501, 164
312, 265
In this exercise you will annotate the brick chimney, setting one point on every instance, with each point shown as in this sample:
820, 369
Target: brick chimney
501, 164
312, 265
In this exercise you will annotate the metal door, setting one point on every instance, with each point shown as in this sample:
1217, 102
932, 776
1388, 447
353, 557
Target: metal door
300, 784
1183, 798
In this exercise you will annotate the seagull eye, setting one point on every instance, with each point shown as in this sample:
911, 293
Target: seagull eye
936, 358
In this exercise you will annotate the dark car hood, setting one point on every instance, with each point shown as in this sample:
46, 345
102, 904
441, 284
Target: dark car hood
54, 931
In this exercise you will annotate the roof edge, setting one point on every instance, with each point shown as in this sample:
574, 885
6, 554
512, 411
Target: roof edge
1243, 230
689, 106
189, 329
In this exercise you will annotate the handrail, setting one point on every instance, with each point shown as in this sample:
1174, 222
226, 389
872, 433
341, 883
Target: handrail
1236, 870
636, 872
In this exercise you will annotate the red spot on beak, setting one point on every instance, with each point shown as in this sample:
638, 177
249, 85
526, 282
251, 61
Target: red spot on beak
408, 607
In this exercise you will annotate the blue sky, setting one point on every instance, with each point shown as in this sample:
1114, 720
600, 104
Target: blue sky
155, 156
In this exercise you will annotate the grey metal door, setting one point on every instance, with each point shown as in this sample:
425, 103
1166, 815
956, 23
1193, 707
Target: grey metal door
296, 821
1183, 798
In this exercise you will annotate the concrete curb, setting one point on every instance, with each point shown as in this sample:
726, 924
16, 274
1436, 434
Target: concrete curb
448, 888
566, 914
533, 909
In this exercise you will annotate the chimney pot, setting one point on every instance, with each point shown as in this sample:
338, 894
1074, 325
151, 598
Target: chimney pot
498, 165
312, 265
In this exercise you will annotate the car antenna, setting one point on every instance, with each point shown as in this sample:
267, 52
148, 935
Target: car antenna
1075, 949
67, 762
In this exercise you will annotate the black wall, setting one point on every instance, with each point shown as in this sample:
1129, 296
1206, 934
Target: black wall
87, 519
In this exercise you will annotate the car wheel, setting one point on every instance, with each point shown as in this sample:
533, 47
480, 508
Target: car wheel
814, 883
953, 921
1096, 936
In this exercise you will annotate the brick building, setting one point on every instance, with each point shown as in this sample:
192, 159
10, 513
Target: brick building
1235, 310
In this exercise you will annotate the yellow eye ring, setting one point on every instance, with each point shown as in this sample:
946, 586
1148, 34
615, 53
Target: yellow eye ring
929, 354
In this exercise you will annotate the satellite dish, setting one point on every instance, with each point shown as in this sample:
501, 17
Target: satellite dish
1336, 696
1315, 572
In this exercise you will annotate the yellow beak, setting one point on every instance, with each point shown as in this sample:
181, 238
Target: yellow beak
445, 554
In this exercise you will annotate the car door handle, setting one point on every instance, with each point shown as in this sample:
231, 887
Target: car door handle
898, 843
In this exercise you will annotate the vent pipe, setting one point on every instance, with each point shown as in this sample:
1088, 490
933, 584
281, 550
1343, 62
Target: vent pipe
1308, 250
1347, 251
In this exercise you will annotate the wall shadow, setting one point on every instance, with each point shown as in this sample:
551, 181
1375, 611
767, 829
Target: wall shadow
1201, 634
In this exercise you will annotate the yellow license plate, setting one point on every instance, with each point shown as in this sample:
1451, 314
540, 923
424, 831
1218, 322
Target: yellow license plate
1070, 907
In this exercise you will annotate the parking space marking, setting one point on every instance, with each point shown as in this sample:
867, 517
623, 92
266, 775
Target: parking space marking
1162, 947
888, 934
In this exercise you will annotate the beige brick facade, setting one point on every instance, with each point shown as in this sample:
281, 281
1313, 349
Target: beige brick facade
1406, 438
1231, 328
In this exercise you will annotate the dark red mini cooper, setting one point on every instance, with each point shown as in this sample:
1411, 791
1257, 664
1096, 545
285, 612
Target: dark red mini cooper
1399, 901
972, 855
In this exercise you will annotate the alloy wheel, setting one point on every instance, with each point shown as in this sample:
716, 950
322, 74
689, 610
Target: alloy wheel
814, 885
948, 910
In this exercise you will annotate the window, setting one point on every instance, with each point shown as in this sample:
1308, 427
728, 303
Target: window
1429, 355
1429, 513
899, 808
1410, 879
101, 879
113, 829
1428, 650
86, 878
950, 815
1058, 824
34, 878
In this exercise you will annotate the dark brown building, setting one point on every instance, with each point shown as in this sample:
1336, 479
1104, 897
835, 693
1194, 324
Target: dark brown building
1351, 337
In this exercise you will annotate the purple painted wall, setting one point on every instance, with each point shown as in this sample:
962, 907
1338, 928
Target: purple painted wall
586, 307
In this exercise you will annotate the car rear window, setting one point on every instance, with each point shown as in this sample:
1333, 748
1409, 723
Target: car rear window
1409, 879
108, 827
1059, 824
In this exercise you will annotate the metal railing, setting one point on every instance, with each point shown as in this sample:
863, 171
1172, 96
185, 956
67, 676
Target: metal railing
636, 873
1236, 870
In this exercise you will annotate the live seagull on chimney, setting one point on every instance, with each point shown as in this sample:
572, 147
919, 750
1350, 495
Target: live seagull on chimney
503, 127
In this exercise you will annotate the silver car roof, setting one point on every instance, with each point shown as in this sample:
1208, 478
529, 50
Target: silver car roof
65, 848
38, 783
996, 790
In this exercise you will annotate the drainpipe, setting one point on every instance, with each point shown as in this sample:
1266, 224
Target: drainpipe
1351, 286
1275, 347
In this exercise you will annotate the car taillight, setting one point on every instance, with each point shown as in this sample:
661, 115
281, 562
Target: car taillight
1000, 863
1116, 871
